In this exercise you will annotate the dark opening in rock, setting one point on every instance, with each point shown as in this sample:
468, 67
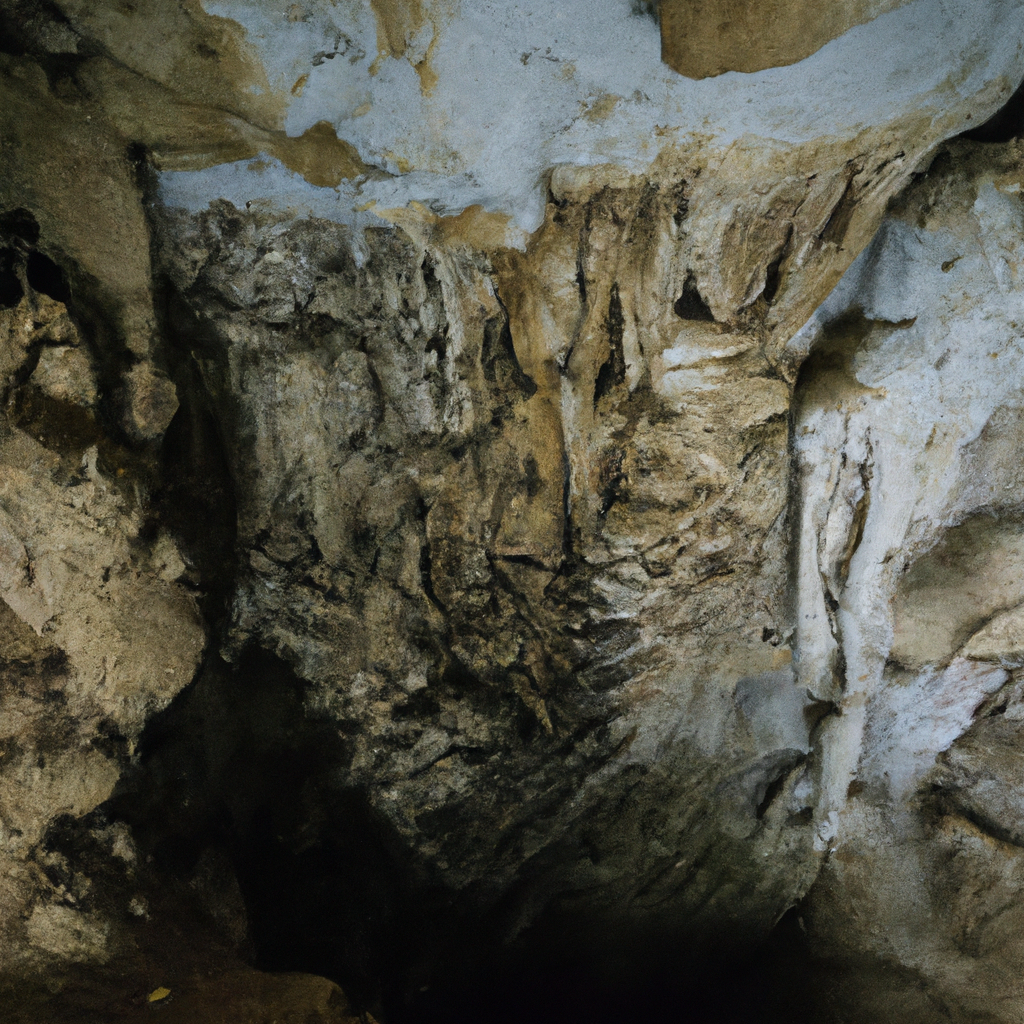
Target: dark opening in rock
691, 305
10, 285
20, 225
1007, 123
236, 769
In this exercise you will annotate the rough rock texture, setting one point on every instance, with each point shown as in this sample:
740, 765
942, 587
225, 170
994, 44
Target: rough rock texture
909, 446
709, 37
96, 631
454, 507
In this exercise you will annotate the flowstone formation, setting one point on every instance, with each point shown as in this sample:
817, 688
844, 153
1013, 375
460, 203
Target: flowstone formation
923, 611
493, 490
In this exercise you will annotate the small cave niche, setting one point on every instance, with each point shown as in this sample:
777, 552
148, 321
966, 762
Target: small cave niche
21, 261
11, 290
773, 272
19, 232
235, 769
691, 305
196, 498
46, 277
19, 225
1005, 124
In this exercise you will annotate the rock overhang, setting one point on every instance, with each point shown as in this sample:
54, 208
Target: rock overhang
518, 89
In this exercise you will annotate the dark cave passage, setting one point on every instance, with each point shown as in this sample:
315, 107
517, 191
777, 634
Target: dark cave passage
235, 766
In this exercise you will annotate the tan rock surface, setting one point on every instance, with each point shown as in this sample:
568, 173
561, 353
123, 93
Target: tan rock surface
700, 38
96, 632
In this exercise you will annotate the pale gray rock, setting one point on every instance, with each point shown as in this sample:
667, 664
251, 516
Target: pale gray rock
908, 597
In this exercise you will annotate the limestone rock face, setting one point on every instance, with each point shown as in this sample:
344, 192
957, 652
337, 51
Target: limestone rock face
96, 630
464, 483
909, 598
709, 37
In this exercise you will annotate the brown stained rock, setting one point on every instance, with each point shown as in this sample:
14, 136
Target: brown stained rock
203, 58
702, 38
319, 155
400, 25
398, 21
150, 403
188, 134
65, 374
73, 175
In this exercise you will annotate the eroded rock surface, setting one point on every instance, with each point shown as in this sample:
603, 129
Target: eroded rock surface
700, 38
430, 525
910, 600
97, 631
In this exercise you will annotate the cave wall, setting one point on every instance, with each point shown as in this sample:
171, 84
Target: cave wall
702, 38
451, 460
